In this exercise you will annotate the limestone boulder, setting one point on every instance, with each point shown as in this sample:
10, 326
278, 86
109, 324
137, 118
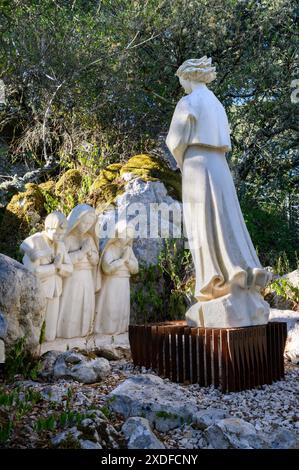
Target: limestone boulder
291, 318
76, 366
293, 277
139, 435
234, 433
164, 404
159, 215
205, 418
22, 304
3, 326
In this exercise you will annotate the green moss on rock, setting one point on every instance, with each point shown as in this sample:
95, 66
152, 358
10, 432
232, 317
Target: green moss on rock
23, 214
153, 169
110, 183
26, 211
68, 189
69, 183
107, 186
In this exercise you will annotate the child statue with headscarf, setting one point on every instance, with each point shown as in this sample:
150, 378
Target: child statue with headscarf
117, 264
45, 255
78, 299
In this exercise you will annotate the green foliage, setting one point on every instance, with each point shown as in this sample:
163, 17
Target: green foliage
285, 289
51, 203
166, 415
272, 234
176, 265
164, 292
42, 335
14, 405
282, 264
106, 411
20, 361
61, 420
146, 297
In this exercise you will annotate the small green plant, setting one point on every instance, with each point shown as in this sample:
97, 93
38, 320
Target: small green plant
110, 399
45, 424
42, 335
285, 289
22, 362
51, 203
15, 404
176, 265
146, 296
106, 411
282, 264
59, 420
166, 415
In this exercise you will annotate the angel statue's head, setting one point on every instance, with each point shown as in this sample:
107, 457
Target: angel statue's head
194, 71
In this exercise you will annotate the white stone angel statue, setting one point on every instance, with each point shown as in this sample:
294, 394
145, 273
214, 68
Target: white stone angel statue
78, 298
117, 263
229, 275
45, 255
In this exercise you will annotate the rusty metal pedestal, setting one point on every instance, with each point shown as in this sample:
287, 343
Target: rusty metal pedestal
233, 359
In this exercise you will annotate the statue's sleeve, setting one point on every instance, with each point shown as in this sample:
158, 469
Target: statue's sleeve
180, 130
133, 263
67, 265
94, 258
109, 264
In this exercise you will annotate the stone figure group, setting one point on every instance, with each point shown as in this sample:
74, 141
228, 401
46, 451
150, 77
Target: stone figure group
89, 292
86, 292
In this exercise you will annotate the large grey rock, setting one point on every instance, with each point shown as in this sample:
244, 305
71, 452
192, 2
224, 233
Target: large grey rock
86, 444
22, 303
139, 435
291, 318
234, 433
147, 194
76, 366
165, 405
293, 277
205, 418
47, 364
284, 439
3, 326
2, 351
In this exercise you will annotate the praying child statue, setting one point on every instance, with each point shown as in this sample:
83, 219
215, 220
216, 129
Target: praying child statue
117, 263
45, 255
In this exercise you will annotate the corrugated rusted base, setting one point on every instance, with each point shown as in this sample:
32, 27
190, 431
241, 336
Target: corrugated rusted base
233, 359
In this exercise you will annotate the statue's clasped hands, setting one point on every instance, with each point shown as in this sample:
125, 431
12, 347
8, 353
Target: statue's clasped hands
58, 261
86, 247
126, 255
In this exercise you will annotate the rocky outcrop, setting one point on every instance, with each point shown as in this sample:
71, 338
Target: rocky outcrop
76, 366
139, 435
235, 433
22, 304
165, 405
158, 215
